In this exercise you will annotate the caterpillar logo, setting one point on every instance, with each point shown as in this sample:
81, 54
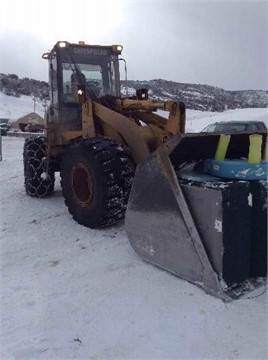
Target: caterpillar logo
91, 51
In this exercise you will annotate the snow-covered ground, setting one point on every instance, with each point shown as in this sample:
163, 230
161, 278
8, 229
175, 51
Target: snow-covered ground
69, 292
13, 108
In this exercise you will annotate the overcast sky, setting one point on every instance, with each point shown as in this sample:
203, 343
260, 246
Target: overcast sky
219, 43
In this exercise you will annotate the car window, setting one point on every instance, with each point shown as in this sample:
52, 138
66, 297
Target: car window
252, 127
228, 127
233, 127
210, 128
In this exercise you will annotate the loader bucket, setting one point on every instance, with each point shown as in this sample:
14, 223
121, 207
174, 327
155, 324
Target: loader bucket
209, 230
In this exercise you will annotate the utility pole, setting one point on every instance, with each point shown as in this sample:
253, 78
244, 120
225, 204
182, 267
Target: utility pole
44, 103
34, 101
1, 146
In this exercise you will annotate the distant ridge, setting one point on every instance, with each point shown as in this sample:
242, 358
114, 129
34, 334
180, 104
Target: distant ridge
202, 97
195, 96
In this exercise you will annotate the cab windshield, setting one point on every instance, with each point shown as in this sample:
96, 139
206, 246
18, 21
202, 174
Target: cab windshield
97, 73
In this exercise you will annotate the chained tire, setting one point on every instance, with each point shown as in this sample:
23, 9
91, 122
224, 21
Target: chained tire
36, 181
96, 179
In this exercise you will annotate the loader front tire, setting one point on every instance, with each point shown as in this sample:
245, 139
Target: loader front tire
37, 183
96, 179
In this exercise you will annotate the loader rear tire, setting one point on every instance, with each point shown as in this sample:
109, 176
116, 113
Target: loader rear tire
96, 179
36, 183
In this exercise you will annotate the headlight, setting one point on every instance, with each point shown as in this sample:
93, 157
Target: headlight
62, 44
117, 49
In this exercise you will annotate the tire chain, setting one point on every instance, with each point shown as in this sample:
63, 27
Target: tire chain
117, 174
118, 195
33, 154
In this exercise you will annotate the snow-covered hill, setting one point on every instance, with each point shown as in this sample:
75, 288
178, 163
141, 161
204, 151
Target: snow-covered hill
201, 97
195, 96
13, 108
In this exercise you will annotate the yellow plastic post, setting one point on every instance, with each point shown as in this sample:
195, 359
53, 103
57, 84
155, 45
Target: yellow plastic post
265, 153
222, 147
254, 154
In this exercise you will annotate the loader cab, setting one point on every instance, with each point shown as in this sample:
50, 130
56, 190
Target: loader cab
93, 66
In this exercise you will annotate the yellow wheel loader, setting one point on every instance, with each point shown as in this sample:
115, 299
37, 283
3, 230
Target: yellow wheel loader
118, 158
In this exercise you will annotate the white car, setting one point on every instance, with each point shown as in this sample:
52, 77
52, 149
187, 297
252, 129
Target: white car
235, 126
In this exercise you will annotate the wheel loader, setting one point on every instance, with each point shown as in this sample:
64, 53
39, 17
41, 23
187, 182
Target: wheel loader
117, 158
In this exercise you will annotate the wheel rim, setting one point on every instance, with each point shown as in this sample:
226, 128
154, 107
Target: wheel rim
82, 184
